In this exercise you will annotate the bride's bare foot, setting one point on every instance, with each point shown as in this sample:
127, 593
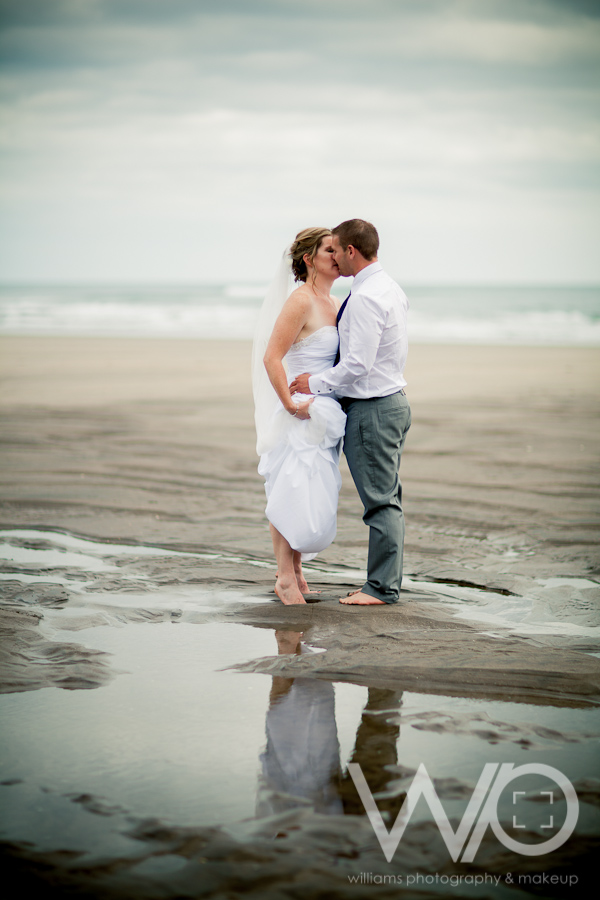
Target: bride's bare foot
304, 588
302, 584
288, 642
357, 598
288, 592
300, 579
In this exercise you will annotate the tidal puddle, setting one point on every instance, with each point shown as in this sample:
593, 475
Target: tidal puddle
175, 736
561, 607
170, 736
57, 549
179, 737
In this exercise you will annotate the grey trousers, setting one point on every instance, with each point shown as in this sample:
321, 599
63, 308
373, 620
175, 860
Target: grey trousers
375, 433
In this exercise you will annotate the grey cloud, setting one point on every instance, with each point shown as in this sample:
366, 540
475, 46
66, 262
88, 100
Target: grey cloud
586, 8
242, 102
559, 176
413, 51
27, 12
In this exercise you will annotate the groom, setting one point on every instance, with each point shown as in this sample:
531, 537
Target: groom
369, 382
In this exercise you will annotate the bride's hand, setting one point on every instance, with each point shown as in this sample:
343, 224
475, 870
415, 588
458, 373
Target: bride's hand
302, 409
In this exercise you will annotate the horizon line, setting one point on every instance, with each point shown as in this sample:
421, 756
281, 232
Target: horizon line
259, 282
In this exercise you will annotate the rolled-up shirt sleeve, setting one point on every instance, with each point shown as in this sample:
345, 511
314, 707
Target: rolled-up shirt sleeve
365, 321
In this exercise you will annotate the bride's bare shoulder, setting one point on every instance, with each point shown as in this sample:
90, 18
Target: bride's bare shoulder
302, 291
300, 297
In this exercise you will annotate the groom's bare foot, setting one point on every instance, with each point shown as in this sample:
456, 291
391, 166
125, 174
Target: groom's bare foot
288, 592
358, 598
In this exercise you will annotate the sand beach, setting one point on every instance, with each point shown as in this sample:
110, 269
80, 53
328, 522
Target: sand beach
146, 660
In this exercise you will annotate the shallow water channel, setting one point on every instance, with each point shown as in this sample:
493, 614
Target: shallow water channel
176, 735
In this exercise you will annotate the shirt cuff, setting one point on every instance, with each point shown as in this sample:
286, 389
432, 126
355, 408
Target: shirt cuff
318, 386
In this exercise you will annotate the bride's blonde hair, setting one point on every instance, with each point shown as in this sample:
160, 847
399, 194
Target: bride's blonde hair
307, 242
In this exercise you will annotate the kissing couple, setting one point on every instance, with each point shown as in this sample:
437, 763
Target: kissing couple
322, 374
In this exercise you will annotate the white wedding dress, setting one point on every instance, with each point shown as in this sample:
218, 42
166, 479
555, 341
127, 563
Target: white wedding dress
301, 470
302, 756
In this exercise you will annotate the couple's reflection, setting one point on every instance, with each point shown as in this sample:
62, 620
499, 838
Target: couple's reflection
301, 762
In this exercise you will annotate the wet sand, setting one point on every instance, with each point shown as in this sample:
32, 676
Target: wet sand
149, 442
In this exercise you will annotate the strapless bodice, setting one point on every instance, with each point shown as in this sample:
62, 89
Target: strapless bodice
314, 353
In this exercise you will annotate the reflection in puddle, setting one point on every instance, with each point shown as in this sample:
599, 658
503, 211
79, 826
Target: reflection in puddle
180, 742
179, 737
301, 763
455, 738
176, 737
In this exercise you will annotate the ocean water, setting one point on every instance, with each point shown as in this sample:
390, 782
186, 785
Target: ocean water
526, 315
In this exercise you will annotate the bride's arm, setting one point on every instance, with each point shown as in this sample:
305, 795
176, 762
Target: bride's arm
288, 326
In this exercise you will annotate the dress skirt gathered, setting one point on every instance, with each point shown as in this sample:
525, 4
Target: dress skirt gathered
301, 466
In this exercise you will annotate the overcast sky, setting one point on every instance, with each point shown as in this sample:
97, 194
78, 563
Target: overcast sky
187, 140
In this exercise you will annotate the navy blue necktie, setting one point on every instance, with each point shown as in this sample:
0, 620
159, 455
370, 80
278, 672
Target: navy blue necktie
337, 320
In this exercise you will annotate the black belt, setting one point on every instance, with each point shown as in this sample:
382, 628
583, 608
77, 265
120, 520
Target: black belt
346, 401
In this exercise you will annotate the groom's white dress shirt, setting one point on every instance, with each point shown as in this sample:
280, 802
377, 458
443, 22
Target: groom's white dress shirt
373, 340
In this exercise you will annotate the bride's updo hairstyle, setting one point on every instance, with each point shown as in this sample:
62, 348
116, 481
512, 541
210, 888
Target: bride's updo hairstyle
307, 242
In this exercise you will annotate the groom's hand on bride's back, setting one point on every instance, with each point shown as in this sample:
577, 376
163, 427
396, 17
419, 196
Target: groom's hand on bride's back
300, 384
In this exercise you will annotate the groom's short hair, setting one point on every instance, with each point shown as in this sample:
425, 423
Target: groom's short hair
362, 235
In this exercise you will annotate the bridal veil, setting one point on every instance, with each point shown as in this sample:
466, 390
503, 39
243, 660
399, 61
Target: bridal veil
265, 398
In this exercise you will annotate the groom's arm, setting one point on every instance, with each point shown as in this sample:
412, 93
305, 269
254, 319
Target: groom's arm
365, 324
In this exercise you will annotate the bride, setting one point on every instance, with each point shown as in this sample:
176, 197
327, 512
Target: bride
298, 437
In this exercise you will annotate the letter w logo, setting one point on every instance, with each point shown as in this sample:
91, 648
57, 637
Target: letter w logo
455, 841
422, 786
